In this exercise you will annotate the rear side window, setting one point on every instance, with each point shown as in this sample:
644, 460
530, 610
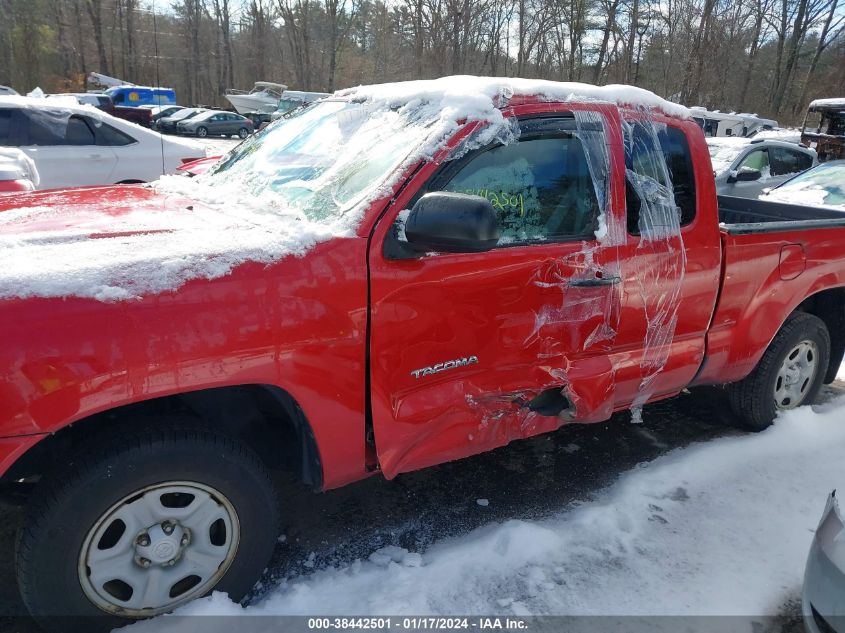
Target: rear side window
540, 187
78, 132
111, 136
786, 161
656, 165
5, 127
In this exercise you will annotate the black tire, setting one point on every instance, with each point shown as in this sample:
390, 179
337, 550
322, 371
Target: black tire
71, 500
202, 132
752, 399
243, 133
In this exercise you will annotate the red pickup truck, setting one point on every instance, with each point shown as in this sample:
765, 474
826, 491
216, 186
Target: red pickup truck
393, 278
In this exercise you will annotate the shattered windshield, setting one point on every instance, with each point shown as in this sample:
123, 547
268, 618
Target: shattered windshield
324, 159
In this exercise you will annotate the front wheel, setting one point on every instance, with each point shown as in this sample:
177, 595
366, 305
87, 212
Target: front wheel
202, 132
143, 525
243, 133
789, 375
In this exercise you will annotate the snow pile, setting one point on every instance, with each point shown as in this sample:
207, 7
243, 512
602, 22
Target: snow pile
15, 164
721, 528
724, 150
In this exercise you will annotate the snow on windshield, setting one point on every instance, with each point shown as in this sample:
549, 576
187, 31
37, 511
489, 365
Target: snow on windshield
305, 179
823, 186
676, 536
724, 151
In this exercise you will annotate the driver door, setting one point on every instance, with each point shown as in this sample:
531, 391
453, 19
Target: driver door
472, 350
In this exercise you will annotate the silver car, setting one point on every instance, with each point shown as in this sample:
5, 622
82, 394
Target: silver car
216, 123
823, 601
744, 167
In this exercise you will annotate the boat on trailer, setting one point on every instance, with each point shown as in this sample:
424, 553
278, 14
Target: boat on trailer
264, 97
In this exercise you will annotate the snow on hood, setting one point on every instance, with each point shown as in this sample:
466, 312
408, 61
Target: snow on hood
116, 243
807, 193
46, 243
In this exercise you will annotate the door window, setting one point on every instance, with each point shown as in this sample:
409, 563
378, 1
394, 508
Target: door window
78, 132
111, 136
6, 127
758, 159
658, 161
786, 161
540, 187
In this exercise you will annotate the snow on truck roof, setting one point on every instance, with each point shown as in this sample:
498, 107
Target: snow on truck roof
834, 103
473, 94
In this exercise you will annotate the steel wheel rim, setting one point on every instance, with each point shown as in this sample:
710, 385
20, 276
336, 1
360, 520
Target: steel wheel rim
796, 375
178, 540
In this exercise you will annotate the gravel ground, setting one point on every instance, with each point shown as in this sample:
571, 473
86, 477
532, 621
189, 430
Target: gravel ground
525, 480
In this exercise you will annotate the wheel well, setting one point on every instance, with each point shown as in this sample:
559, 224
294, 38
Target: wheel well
265, 417
829, 306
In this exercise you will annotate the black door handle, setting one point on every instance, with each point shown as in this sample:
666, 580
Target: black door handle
593, 282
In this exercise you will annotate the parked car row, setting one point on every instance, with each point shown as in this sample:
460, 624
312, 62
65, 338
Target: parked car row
203, 122
74, 145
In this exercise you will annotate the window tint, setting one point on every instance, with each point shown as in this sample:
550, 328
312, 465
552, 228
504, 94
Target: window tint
541, 188
108, 135
78, 132
786, 161
5, 127
654, 165
758, 159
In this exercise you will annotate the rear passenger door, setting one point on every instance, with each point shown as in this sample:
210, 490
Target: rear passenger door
472, 350
672, 258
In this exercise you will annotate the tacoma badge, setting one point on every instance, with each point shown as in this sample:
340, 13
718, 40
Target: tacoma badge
449, 364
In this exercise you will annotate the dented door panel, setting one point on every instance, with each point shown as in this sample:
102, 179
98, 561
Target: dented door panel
559, 331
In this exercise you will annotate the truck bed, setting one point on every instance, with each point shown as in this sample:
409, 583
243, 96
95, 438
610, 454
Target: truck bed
775, 256
739, 216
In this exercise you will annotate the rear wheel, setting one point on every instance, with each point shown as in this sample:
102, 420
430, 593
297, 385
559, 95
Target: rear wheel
143, 525
789, 375
202, 131
243, 133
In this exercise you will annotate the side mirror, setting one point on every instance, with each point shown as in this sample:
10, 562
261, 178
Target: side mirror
452, 223
745, 174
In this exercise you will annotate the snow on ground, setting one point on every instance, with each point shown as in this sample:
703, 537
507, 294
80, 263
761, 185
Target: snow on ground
719, 528
218, 145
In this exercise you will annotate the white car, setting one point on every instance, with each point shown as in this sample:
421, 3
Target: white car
74, 145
